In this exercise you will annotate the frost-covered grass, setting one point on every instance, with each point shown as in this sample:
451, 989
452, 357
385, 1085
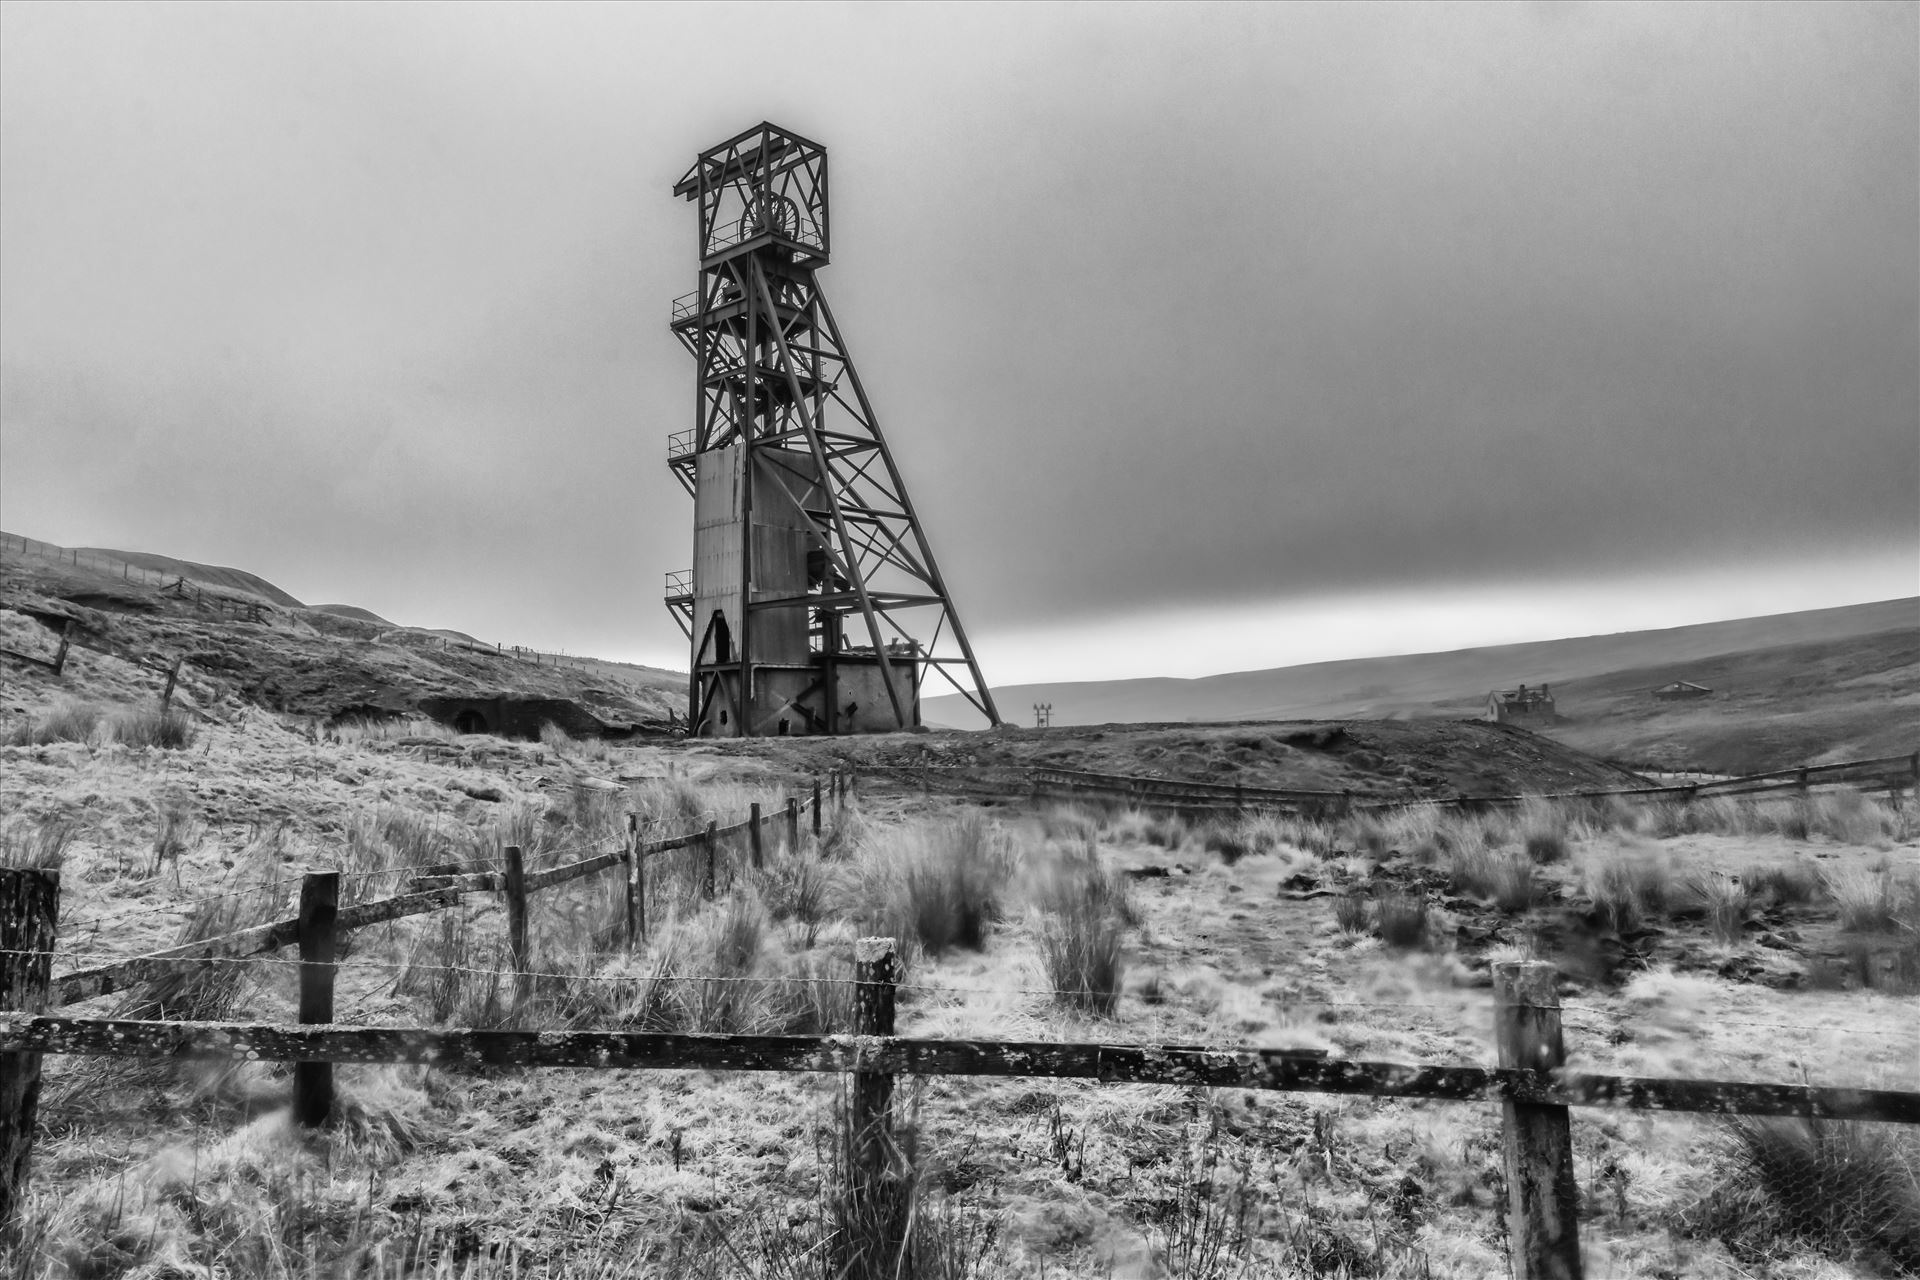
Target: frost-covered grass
1014, 927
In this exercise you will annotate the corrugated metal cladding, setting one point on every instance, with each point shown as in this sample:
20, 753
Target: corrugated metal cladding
781, 540
717, 491
784, 480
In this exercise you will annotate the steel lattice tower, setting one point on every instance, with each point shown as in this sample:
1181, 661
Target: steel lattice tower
809, 561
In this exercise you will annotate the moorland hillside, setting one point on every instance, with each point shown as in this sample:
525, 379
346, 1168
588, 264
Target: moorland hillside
1804, 687
241, 641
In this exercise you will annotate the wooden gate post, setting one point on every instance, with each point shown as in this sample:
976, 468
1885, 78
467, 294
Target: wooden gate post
816, 808
29, 907
793, 825
1543, 1225
712, 842
871, 1100
66, 641
319, 944
753, 834
173, 675
633, 875
516, 885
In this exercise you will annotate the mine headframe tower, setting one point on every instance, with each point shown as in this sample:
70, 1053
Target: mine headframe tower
808, 559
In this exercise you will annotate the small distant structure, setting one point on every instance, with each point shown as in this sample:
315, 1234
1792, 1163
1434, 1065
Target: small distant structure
1680, 690
1522, 706
1043, 715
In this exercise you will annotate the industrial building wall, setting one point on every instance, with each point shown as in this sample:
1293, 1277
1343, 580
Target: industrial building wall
782, 537
717, 491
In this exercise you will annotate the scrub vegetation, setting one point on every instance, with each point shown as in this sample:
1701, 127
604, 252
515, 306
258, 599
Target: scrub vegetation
1768, 941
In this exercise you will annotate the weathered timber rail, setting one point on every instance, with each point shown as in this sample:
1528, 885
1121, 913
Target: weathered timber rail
1188, 1065
1532, 1091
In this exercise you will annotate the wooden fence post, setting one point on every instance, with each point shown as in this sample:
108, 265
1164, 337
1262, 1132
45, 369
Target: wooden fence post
793, 825
871, 1097
516, 882
1801, 782
173, 676
319, 903
635, 926
753, 835
816, 808
29, 907
712, 843
1543, 1225
60, 654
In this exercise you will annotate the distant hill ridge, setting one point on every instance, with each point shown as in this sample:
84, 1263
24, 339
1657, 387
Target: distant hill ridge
205, 574
1452, 682
226, 580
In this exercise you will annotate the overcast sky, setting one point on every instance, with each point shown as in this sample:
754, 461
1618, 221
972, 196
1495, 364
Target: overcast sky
1277, 333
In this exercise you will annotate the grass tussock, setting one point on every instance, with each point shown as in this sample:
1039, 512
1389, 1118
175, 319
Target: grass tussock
176, 831
1069, 822
1351, 913
1727, 902
1501, 876
1168, 830
1228, 842
1787, 884
568, 747
169, 729
936, 885
1084, 911
888, 1223
1845, 1189
1401, 920
363, 728
797, 888
1628, 890
35, 844
1873, 899
68, 720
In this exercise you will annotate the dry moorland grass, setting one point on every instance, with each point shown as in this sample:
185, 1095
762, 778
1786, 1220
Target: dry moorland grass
1070, 923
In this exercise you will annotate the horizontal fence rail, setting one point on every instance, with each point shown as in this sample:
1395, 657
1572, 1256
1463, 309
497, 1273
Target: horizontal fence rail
1183, 1065
1532, 1086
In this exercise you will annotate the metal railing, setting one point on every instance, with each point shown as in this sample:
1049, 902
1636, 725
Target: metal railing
804, 232
680, 444
679, 583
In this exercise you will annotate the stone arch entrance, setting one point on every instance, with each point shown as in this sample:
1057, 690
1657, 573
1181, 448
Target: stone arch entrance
469, 721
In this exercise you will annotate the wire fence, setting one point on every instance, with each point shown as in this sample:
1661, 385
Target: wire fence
1655, 1191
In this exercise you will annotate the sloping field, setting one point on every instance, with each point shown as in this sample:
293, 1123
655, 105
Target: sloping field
1773, 708
1421, 682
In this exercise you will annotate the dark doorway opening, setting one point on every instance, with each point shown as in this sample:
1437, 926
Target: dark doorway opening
470, 721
